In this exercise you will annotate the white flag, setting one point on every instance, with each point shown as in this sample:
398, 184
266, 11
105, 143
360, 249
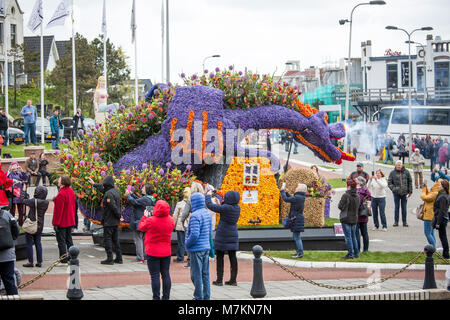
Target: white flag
36, 16
104, 20
2, 8
133, 22
59, 17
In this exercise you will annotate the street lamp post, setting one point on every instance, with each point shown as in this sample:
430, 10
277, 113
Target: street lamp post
409, 80
424, 70
213, 56
347, 96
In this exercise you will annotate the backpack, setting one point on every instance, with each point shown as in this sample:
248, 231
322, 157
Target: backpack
6, 237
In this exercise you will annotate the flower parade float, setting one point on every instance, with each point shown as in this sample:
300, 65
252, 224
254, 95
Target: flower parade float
183, 133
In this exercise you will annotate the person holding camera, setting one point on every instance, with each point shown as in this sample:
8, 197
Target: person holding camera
417, 161
158, 226
441, 216
378, 187
139, 204
429, 196
179, 226
9, 231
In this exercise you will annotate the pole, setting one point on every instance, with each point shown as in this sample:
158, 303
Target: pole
42, 84
5, 53
409, 98
105, 70
162, 40
136, 82
74, 66
167, 44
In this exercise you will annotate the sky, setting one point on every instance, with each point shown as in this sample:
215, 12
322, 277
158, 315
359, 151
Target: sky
258, 34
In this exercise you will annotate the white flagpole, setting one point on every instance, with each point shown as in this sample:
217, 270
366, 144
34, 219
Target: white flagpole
5, 53
105, 70
42, 83
136, 81
167, 43
74, 66
162, 42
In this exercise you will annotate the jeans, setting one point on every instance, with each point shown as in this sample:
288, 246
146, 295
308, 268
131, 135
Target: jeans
5, 135
20, 209
64, 238
350, 239
379, 206
429, 232
43, 175
30, 130
443, 238
160, 266
361, 231
397, 200
287, 145
138, 238
298, 242
200, 274
111, 241
36, 240
233, 265
181, 237
389, 156
55, 142
8, 277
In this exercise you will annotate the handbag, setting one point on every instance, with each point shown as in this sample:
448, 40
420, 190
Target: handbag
420, 211
30, 226
17, 192
365, 210
288, 222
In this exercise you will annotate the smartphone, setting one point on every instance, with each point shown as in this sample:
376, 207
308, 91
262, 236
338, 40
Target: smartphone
373, 173
149, 209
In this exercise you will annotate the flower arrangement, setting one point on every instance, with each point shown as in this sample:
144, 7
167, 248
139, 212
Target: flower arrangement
321, 189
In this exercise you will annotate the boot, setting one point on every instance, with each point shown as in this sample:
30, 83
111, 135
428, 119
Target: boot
107, 262
118, 260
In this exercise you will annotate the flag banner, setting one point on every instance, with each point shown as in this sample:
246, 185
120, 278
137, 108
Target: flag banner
59, 17
36, 17
133, 22
2, 8
104, 31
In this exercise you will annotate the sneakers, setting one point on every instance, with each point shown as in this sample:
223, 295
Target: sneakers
347, 257
177, 261
187, 265
107, 262
395, 224
374, 229
231, 283
297, 256
38, 265
217, 283
28, 265
405, 224
384, 229
140, 261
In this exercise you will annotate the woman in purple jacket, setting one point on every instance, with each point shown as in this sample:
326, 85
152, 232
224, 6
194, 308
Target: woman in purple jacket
364, 194
15, 172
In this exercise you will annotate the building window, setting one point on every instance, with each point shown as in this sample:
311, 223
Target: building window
13, 35
392, 76
405, 74
1, 32
441, 73
400, 116
420, 78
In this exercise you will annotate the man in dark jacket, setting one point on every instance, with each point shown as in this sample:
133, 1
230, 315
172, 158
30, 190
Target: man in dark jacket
227, 238
78, 123
139, 205
349, 205
4, 127
112, 212
441, 215
359, 173
389, 145
297, 205
400, 183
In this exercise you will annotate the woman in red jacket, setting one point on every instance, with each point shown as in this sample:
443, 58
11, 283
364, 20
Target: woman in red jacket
64, 216
5, 183
158, 230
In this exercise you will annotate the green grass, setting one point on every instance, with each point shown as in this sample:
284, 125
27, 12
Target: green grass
337, 183
407, 165
17, 151
368, 257
330, 168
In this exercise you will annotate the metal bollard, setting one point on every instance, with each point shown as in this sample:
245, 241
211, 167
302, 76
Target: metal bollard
258, 290
74, 292
429, 282
447, 276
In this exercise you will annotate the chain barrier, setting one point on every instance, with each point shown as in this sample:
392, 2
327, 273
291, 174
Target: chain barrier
442, 258
362, 286
53, 265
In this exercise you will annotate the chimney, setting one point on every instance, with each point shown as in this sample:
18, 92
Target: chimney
429, 37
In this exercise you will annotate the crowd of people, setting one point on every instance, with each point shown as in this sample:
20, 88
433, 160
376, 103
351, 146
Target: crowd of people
366, 196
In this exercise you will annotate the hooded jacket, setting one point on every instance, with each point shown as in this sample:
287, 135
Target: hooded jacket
5, 183
64, 209
364, 194
429, 196
349, 205
297, 206
199, 229
400, 182
111, 203
40, 195
227, 237
158, 230
441, 205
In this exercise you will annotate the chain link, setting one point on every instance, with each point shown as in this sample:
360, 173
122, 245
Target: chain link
362, 286
53, 265
442, 258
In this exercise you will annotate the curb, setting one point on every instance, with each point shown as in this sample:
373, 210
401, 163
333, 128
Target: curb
341, 265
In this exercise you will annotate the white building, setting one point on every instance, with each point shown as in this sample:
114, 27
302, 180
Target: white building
13, 25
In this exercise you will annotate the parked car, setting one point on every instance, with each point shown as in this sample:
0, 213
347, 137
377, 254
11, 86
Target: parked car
18, 123
16, 136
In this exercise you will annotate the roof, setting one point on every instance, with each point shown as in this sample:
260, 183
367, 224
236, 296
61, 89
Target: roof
292, 73
34, 44
62, 48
